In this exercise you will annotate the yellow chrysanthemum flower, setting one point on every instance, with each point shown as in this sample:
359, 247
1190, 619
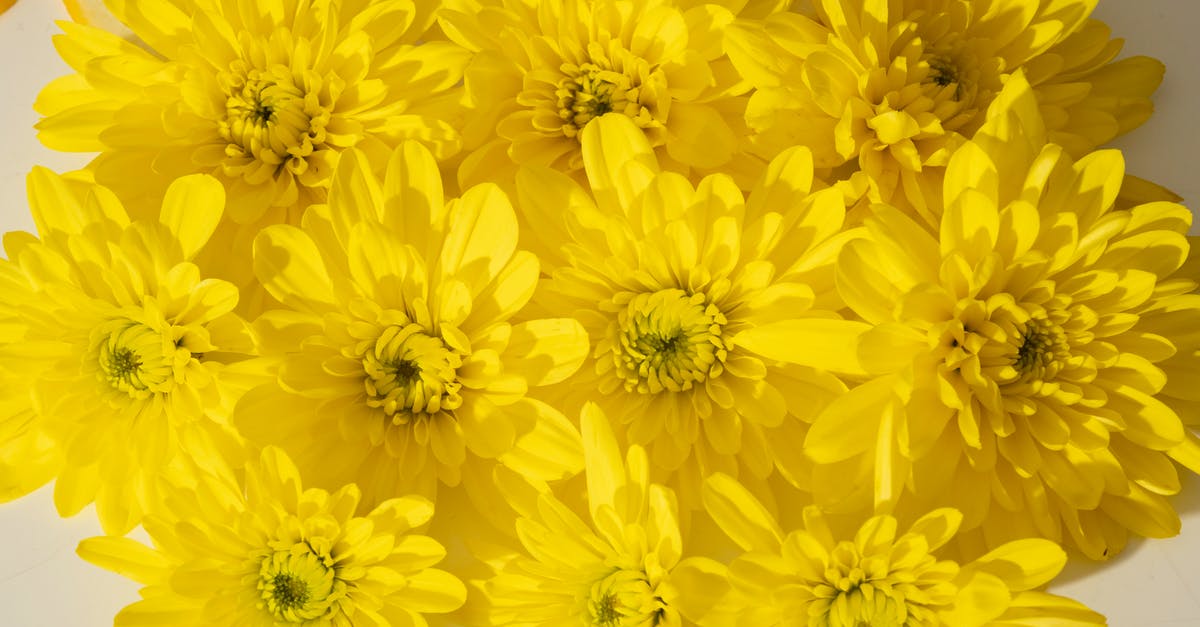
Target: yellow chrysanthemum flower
666, 278
816, 577
270, 554
542, 71
621, 567
1026, 364
398, 361
892, 87
264, 96
121, 342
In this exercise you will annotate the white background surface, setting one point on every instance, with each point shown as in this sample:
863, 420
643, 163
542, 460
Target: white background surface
43, 583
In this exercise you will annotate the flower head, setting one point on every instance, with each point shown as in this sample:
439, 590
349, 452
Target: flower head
893, 88
263, 97
620, 566
669, 278
121, 343
270, 553
1035, 345
398, 363
542, 72
877, 575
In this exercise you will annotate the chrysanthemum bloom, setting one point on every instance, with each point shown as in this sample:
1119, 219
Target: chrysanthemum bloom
817, 577
398, 361
620, 566
893, 87
1028, 361
270, 553
264, 96
542, 71
664, 277
124, 342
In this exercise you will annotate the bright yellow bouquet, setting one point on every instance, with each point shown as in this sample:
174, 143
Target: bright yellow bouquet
600, 313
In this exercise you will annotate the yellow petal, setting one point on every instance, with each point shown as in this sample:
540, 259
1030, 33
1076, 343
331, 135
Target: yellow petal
290, 267
816, 342
546, 351
1024, 564
618, 159
126, 557
191, 209
741, 516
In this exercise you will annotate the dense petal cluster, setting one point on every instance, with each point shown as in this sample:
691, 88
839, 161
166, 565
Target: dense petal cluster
269, 553
892, 88
262, 96
120, 346
1027, 346
680, 287
678, 313
396, 338
621, 567
819, 576
540, 72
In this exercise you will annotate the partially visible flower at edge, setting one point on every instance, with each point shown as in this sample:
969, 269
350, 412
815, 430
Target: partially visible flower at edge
269, 552
119, 345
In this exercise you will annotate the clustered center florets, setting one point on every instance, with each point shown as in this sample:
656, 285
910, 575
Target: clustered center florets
1042, 350
135, 358
297, 586
588, 92
624, 597
273, 119
668, 340
409, 372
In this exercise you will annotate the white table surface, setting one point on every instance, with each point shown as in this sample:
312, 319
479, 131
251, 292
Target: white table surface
43, 583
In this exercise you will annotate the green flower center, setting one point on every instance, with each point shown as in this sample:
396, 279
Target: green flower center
1042, 352
589, 92
668, 340
623, 598
273, 119
297, 586
409, 372
135, 358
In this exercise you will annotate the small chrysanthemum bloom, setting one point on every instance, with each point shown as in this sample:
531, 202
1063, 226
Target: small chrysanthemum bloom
398, 363
542, 71
1028, 362
262, 95
124, 343
620, 566
269, 553
892, 87
815, 577
666, 277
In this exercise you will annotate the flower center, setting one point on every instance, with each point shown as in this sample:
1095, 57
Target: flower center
298, 586
588, 92
135, 358
271, 122
942, 71
858, 591
622, 598
409, 372
1042, 351
668, 340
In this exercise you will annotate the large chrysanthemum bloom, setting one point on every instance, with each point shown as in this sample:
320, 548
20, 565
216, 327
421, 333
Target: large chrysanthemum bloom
667, 278
542, 71
892, 87
815, 576
262, 95
619, 566
268, 553
123, 344
1028, 363
398, 363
